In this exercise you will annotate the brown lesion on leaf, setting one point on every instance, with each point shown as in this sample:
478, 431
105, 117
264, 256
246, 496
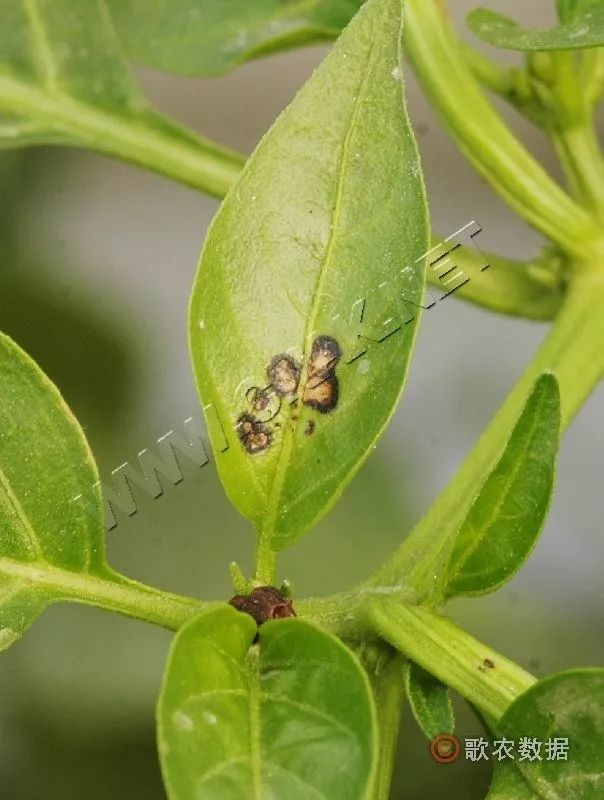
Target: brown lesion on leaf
284, 372
254, 435
263, 604
322, 388
260, 399
284, 375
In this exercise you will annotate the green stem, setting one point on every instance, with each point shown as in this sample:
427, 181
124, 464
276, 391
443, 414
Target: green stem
388, 692
528, 289
146, 140
110, 591
574, 351
485, 678
486, 140
266, 558
581, 158
488, 73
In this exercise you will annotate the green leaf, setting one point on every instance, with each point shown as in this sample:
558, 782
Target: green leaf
51, 517
570, 9
585, 28
329, 212
206, 37
505, 520
44, 463
63, 80
291, 717
508, 783
429, 700
570, 706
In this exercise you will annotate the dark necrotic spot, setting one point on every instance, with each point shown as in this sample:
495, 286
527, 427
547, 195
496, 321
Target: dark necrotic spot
254, 435
284, 374
260, 399
310, 427
322, 389
323, 395
324, 355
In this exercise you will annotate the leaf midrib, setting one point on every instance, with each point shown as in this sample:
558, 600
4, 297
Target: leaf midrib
284, 457
253, 680
256, 696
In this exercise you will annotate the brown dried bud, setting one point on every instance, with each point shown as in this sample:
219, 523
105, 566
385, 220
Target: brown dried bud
264, 603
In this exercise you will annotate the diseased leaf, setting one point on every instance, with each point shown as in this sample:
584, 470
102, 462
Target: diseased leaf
325, 225
206, 37
583, 27
63, 81
46, 540
505, 520
430, 701
289, 718
568, 707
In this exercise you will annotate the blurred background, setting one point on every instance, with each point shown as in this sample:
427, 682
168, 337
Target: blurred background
97, 263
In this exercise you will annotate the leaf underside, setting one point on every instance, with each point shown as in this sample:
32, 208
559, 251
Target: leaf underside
568, 706
207, 37
582, 30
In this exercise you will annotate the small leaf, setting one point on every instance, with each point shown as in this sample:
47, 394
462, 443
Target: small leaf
291, 717
325, 225
583, 27
46, 540
63, 80
505, 520
430, 701
197, 37
567, 706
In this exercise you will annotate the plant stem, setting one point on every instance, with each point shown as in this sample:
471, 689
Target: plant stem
486, 140
573, 129
528, 289
485, 678
110, 591
266, 559
581, 158
388, 692
147, 139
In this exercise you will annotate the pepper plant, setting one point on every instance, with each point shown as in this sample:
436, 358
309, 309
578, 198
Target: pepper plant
303, 317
